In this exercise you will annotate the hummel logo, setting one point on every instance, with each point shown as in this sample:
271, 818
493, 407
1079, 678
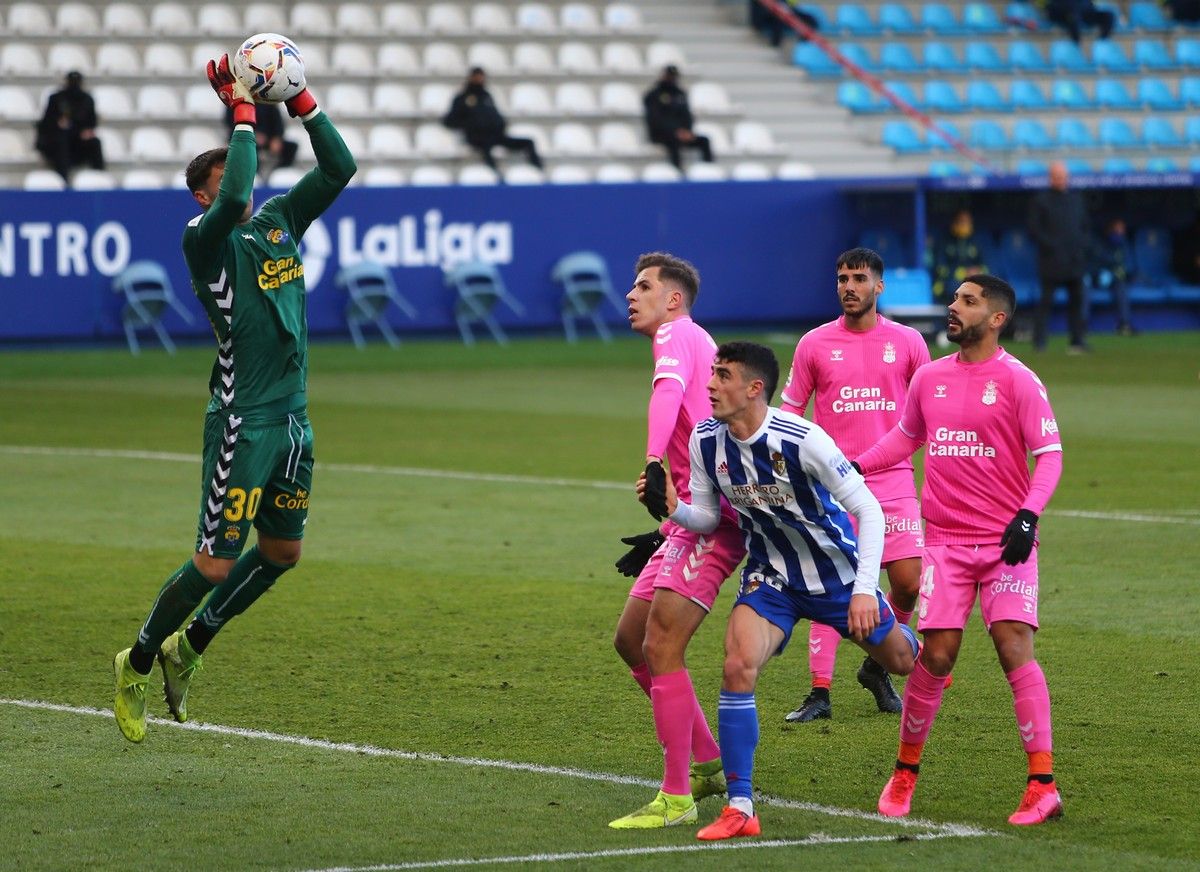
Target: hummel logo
939, 392
836, 354
249, 236
1025, 527
814, 645
1026, 731
913, 724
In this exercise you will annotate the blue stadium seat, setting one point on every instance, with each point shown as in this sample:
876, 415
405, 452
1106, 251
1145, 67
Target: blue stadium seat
1147, 16
1112, 94
942, 168
1030, 133
937, 143
1026, 94
810, 58
1069, 94
1109, 56
895, 18
1078, 165
1156, 94
1194, 163
1118, 165
1065, 55
1152, 54
1160, 164
984, 96
855, 19
981, 18
942, 57
858, 55
857, 97
1031, 166
988, 135
1189, 91
1191, 130
1073, 133
1187, 52
1026, 57
903, 137
1022, 12
904, 91
983, 56
941, 97
939, 18
897, 57
1116, 133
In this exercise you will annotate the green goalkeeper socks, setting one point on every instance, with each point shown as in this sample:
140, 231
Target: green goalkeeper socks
178, 596
250, 578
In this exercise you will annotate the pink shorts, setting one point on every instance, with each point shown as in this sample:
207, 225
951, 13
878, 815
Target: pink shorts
691, 564
903, 535
951, 575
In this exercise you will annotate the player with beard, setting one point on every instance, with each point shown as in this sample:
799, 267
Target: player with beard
980, 413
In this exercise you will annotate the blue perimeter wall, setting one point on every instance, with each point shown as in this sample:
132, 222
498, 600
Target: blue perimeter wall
765, 250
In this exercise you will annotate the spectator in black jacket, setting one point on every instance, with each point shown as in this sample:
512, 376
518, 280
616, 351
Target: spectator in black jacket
474, 112
1074, 15
669, 118
1058, 223
1184, 11
66, 135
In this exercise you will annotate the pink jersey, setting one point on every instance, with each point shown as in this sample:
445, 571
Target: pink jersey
684, 352
861, 380
980, 421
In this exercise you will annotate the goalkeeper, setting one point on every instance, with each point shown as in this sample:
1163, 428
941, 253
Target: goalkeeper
246, 270
678, 572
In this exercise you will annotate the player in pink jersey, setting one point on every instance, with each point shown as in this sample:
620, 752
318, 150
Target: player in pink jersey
678, 572
980, 413
859, 367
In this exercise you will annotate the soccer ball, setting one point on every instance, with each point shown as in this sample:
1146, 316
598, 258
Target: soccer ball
270, 66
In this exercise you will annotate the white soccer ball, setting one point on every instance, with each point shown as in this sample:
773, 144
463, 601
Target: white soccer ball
270, 66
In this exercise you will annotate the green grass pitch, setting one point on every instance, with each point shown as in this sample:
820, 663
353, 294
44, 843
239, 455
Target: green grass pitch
455, 605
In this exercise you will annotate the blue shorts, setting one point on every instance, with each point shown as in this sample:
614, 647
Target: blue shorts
783, 606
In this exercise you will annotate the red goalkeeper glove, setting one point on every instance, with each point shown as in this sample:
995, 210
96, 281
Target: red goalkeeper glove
301, 104
232, 92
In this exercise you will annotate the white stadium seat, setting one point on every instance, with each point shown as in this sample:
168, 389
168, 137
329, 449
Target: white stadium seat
490, 18
203, 52
43, 180
400, 18
62, 57
706, 172
529, 98
660, 172
382, 176
578, 57
354, 138
751, 171
285, 177
579, 17
77, 19
14, 147
477, 174
752, 137
172, 19
620, 97
311, 19
351, 58
717, 137
264, 18
794, 169
151, 143
219, 19
615, 173
159, 101
619, 139
357, 19
393, 98
535, 16
443, 57
196, 138
533, 57
433, 140
396, 58
492, 56
708, 97
166, 59
661, 54
569, 174
17, 104
114, 103
316, 60
120, 59
435, 98
622, 57
430, 175
30, 19
535, 132
93, 180
21, 59
115, 149
575, 98
348, 99
524, 174
572, 138
622, 16
199, 101
126, 19
142, 180
388, 141
446, 18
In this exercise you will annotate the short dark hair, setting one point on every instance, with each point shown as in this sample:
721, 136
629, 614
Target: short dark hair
995, 288
857, 258
758, 361
202, 165
672, 268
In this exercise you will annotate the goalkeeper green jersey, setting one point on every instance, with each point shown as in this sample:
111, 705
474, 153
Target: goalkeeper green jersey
250, 278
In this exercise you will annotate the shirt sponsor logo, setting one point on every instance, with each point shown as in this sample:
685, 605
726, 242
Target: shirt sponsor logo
287, 501
889, 353
754, 495
939, 392
851, 399
958, 443
1049, 426
277, 235
273, 274
989, 394
897, 524
1009, 583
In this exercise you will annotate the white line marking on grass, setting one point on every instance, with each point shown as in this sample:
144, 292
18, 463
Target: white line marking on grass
815, 840
950, 829
535, 480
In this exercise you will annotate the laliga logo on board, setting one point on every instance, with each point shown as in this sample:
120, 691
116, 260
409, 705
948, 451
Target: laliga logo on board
427, 242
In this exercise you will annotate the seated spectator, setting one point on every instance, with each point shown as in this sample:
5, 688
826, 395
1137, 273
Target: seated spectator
1184, 11
474, 112
669, 118
1073, 15
955, 256
764, 21
273, 150
1185, 253
1111, 258
66, 135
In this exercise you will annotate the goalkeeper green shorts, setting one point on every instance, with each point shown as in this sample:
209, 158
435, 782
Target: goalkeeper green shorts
257, 471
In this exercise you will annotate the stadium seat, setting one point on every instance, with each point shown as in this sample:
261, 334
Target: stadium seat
615, 174
350, 58
903, 137
124, 18
904, 91
1187, 53
524, 174
895, 18
77, 19
535, 17
750, 171
398, 59
62, 57
857, 97
981, 18
983, 96
940, 169
622, 16
941, 96
1073, 133
1159, 132
937, 142
858, 55
1161, 164
435, 98
569, 174
1116, 133
383, 176
660, 172
1157, 95
172, 19
988, 135
983, 56
620, 98
218, 19
530, 98
310, 19
433, 140
533, 57
717, 137
30, 19
93, 180
1189, 91
400, 18
795, 170
386, 141
142, 180
1069, 94
1191, 130
490, 18
896, 57
19, 58
446, 18
357, 19
752, 137
492, 56
283, 178
532, 131
430, 175
941, 57
1117, 165
43, 180
575, 98
197, 138
372, 292
1147, 16
443, 57
479, 289
1152, 54
709, 98
618, 139
587, 289
1194, 163
579, 17
149, 296
1078, 165
621, 57
1110, 57
1066, 55
853, 18
1029, 166
660, 54
813, 60
477, 175
1029, 133
1025, 94
939, 18
264, 18
572, 138
578, 57
17, 104
1112, 94
159, 101
1026, 57
14, 147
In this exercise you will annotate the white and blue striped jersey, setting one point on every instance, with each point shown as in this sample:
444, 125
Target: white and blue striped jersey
788, 483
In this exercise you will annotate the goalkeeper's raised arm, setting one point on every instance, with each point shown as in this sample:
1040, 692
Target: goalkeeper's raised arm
317, 190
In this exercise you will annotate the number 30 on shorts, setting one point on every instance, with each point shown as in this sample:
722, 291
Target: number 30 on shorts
241, 504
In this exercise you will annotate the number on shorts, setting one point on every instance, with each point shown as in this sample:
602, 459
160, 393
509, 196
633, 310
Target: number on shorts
242, 504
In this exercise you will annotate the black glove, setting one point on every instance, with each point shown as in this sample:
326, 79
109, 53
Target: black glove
634, 561
1018, 537
656, 490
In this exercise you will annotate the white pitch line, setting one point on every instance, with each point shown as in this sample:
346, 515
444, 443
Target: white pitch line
815, 840
535, 480
949, 829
